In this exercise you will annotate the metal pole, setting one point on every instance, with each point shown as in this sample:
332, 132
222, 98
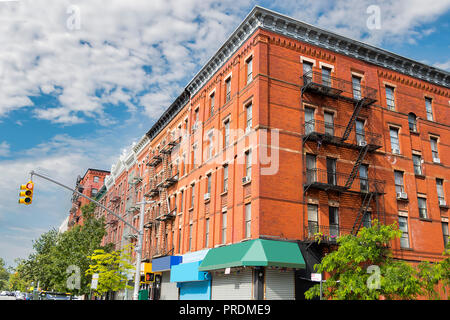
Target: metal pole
321, 280
33, 173
137, 276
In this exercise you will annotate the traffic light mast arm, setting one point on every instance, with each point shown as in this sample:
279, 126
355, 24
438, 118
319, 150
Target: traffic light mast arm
33, 173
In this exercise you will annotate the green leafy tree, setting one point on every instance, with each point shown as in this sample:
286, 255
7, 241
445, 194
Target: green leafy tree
4, 275
436, 275
18, 279
112, 269
73, 249
363, 268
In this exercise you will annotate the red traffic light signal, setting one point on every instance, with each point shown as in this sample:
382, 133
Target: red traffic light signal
27, 193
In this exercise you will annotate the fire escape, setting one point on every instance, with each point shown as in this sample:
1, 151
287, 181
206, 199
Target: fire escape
319, 89
161, 215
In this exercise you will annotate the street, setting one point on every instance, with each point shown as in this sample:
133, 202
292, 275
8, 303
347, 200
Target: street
7, 298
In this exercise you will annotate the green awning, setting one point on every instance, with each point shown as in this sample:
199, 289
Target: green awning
258, 252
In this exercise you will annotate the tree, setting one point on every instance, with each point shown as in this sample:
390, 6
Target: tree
4, 275
18, 279
112, 269
72, 250
363, 268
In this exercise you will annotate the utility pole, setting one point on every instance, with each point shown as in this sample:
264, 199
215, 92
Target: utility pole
137, 275
140, 231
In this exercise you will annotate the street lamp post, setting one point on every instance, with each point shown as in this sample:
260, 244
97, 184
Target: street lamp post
139, 249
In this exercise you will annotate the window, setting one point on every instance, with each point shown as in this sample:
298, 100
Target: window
208, 185
311, 170
184, 164
248, 163
212, 99
309, 120
403, 226
224, 227
363, 177
390, 101
192, 195
207, 233
228, 89
367, 220
190, 237
440, 191
422, 208
359, 131
181, 200
227, 133
307, 72
326, 76
412, 122
179, 239
333, 216
194, 156
248, 219
313, 226
248, 109
196, 119
210, 144
417, 161
434, 149
399, 186
356, 86
96, 179
428, 107
249, 63
445, 232
395, 146
331, 171
225, 178
329, 123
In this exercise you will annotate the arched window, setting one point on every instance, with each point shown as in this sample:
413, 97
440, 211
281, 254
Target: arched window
412, 120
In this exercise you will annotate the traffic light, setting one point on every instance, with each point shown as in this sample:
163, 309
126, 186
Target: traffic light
27, 193
149, 277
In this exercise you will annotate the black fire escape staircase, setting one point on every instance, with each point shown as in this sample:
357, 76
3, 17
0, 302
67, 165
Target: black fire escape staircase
352, 120
355, 169
363, 211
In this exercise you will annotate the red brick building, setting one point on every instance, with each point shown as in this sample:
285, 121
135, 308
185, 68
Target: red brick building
287, 132
90, 184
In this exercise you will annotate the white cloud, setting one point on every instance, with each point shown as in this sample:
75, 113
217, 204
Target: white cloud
443, 65
102, 61
4, 149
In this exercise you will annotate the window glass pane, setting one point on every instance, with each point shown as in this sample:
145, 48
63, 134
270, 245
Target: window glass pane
429, 109
394, 140
390, 98
326, 77
356, 84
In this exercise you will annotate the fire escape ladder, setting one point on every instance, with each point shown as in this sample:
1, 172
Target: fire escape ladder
361, 155
351, 122
362, 212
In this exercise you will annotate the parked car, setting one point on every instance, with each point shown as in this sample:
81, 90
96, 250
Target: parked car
4, 293
47, 295
20, 296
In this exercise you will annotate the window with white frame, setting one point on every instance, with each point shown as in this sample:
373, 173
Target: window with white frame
248, 109
434, 149
249, 64
440, 191
395, 144
226, 133
248, 163
399, 185
228, 89
429, 108
224, 227
417, 161
403, 226
422, 207
225, 178
248, 219
356, 87
390, 99
207, 233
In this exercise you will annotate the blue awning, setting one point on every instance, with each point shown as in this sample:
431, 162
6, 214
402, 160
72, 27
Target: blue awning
188, 272
165, 263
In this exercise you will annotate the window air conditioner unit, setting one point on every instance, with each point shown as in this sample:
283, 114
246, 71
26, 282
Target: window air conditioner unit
206, 196
245, 179
436, 160
442, 202
362, 143
402, 195
396, 151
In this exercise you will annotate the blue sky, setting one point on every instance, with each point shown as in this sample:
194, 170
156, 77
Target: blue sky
82, 80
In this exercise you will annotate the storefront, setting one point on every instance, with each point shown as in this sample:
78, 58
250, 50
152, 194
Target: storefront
253, 269
192, 283
164, 289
